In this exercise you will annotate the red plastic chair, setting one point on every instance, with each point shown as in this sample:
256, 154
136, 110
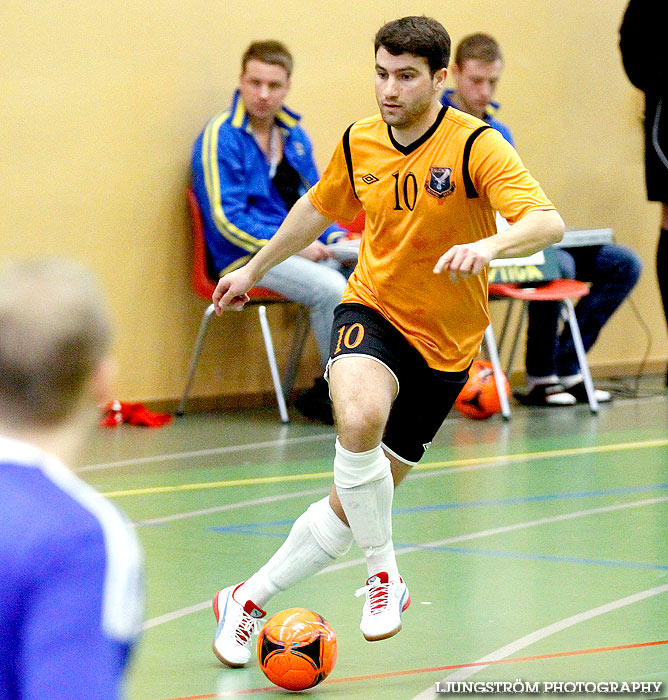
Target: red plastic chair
563, 291
204, 284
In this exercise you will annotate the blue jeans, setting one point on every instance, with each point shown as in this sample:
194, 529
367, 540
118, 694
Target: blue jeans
317, 285
613, 271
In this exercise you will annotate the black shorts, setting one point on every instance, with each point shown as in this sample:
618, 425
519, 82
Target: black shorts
425, 395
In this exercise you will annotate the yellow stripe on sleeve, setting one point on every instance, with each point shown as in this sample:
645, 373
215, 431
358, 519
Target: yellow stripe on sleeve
212, 180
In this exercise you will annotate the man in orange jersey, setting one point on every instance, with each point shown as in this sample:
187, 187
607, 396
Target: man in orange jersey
430, 179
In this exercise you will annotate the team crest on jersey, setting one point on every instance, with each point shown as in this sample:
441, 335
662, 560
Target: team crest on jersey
439, 184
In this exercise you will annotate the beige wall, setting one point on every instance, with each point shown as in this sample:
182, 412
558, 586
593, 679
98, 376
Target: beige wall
101, 103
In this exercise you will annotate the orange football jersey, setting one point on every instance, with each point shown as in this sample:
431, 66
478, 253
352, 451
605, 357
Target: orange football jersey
420, 200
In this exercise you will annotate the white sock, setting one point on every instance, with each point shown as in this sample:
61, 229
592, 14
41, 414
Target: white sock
571, 380
601, 395
315, 540
531, 382
365, 488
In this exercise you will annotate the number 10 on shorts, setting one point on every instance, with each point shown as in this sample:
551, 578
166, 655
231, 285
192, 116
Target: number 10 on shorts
349, 337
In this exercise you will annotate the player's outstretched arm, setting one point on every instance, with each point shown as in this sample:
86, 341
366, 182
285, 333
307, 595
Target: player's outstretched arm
533, 232
303, 224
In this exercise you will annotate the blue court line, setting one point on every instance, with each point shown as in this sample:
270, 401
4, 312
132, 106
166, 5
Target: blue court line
252, 528
537, 557
260, 529
624, 490
257, 529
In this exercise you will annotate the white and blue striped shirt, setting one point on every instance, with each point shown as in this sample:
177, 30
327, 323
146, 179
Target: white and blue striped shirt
71, 582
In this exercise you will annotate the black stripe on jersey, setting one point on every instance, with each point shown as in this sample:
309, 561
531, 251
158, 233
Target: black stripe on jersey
471, 191
349, 158
417, 143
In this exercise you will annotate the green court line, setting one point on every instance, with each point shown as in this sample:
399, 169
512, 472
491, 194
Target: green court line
446, 464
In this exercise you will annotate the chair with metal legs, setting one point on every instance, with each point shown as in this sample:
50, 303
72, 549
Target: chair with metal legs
560, 290
204, 285
493, 355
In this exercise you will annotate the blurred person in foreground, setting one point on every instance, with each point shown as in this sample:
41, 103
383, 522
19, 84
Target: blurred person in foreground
71, 579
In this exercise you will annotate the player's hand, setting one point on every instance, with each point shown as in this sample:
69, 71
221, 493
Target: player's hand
316, 252
464, 260
231, 290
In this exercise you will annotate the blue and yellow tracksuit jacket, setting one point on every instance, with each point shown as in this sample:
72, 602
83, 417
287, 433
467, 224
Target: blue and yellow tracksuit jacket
490, 118
240, 206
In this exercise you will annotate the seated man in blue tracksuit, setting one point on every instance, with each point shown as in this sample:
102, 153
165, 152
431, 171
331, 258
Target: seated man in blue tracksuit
250, 164
552, 371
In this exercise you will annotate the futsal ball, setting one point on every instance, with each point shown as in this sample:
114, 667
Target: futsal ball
479, 398
296, 649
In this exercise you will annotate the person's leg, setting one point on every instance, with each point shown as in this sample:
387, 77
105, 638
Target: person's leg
362, 392
424, 399
363, 395
613, 271
322, 533
656, 179
542, 347
662, 259
662, 263
316, 539
369, 362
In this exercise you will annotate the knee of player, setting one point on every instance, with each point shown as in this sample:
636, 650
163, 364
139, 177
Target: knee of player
334, 292
359, 424
331, 285
632, 266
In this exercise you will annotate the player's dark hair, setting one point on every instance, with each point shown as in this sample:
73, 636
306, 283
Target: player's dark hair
420, 36
479, 46
272, 52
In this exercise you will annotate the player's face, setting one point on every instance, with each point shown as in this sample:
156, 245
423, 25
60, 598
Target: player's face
405, 88
476, 83
263, 87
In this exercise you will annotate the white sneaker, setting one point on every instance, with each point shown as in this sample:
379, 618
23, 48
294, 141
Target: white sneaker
236, 624
385, 601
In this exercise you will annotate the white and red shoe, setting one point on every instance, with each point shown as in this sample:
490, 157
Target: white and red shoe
236, 624
385, 601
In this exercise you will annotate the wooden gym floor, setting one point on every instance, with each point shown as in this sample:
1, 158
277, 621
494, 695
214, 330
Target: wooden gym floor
535, 549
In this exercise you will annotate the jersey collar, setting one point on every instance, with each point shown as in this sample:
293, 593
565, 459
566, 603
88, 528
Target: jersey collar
418, 142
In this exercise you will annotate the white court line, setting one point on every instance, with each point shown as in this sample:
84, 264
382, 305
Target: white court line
298, 494
229, 506
260, 445
204, 453
507, 528
529, 639
168, 617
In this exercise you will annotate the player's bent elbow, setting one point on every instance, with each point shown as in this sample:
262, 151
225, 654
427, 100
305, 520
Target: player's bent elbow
554, 226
